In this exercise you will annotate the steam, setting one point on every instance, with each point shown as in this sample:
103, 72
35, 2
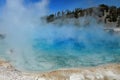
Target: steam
18, 23
33, 45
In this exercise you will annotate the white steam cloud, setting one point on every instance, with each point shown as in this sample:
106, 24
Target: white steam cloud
18, 24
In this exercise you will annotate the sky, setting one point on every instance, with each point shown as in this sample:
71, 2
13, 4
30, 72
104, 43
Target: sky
61, 5
56, 5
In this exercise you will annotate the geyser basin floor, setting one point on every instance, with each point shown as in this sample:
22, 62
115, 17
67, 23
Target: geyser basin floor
106, 72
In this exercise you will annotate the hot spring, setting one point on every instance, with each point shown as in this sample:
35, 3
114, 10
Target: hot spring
32, 45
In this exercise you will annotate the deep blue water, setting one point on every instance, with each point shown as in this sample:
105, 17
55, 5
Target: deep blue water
90, 50
55, 49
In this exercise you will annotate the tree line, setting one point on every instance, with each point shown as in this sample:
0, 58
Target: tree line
110, 13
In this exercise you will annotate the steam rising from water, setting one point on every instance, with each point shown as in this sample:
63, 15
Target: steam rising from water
32, 45
18, 23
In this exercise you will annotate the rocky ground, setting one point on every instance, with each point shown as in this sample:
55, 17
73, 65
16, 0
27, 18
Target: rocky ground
106, 72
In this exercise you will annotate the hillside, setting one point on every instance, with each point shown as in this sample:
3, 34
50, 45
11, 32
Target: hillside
110, 15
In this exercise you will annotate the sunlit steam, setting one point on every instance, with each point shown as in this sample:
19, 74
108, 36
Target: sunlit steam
18, 24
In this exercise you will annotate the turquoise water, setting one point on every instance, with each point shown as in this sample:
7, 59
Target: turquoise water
72, 52
56, 48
